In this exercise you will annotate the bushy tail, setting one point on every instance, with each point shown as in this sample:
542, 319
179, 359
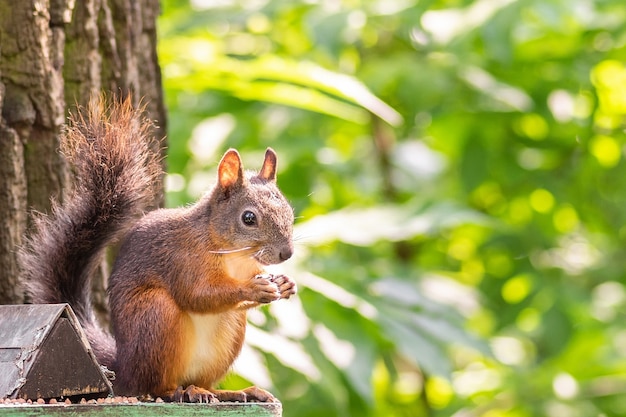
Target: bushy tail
116, 172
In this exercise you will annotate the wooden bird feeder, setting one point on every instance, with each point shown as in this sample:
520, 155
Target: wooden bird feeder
45, 354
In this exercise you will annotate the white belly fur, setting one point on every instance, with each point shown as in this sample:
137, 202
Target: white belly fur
205, 327
213, 345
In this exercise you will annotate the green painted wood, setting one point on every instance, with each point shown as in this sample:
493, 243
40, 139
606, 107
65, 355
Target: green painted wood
144, 409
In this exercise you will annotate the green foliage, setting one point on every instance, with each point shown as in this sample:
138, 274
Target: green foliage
456, 169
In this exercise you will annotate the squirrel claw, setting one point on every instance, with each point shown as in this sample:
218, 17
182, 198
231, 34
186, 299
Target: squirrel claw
193, 394
286, 286
264, 290
269, 277
251, 394
257, 394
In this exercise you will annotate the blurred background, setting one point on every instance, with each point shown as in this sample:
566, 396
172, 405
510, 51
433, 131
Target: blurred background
457, 172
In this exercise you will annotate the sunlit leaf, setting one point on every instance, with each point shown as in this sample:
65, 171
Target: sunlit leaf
427, 353
298, 84
500, 158
365, 226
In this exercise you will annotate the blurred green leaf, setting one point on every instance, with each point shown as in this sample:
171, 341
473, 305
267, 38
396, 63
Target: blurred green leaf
277, 80
490, 201
365, 226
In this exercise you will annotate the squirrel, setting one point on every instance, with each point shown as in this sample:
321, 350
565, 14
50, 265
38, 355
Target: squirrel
183, 277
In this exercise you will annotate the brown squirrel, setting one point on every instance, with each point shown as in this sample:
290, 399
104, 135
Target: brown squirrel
183, 278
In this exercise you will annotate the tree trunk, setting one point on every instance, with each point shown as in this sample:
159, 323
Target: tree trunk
53, 55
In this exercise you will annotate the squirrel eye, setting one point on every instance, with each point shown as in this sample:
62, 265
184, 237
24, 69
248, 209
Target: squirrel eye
248, 218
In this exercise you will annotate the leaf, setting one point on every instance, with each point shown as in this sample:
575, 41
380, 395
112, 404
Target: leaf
432, 326
303, 85
425, 352
504, 97
313, 76
346, 328
447, 331
350, 348
275, 344
404, 293
447, 24
365, 226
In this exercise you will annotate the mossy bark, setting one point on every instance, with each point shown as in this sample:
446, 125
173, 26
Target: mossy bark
54, 55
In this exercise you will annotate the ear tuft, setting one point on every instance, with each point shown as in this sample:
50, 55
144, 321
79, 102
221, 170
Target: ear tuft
230, 170
268, 170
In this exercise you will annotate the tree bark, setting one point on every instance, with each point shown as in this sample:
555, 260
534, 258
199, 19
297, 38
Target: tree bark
54, 55
13, 209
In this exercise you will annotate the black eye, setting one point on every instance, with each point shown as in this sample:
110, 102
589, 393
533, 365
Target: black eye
248, 218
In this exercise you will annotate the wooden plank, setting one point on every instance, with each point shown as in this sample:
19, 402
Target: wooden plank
144, 409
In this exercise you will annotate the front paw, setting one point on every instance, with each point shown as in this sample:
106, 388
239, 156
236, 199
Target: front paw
286, 286
263, 290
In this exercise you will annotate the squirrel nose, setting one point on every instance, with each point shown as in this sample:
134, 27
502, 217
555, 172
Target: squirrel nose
285, 253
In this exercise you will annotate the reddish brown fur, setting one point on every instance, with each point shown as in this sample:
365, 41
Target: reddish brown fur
178, 302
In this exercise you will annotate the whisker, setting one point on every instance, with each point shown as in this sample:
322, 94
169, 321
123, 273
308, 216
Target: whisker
299, 237
245, 254
259, 253
227, 251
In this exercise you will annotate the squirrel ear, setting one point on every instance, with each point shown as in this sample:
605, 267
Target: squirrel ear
230, 170
268, 170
